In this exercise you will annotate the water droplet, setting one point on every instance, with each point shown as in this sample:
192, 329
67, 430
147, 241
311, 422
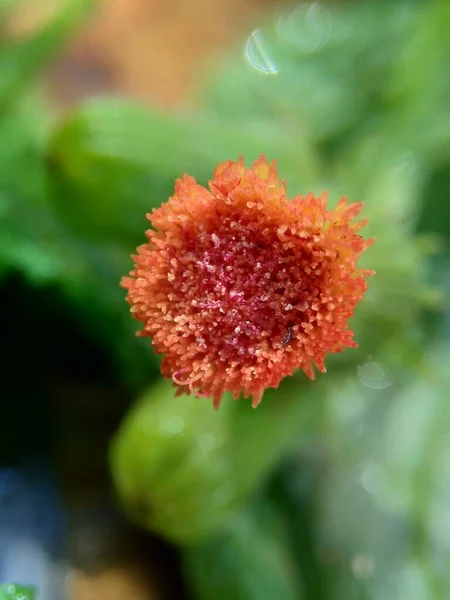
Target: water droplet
307, 27
373, 375
362, 566
257, 55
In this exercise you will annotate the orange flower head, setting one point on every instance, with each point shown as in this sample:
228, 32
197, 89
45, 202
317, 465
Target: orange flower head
238, 286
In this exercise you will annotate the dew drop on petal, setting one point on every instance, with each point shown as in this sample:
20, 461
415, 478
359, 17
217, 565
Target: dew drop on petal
373, 375
257, 55
307, 27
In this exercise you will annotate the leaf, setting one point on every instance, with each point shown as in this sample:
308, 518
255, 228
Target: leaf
332, 66
12, 591
435, 213
420, 91
170, 464
248, 560
121, 160
380, 502
182, 469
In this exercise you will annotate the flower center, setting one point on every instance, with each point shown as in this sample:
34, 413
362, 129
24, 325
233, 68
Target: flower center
245, 291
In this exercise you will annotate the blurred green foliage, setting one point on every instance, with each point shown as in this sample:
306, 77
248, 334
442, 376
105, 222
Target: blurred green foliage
249, 558
194, 457
16, 592
356, 102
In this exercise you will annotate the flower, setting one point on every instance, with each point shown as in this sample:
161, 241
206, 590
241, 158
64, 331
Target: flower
239, 287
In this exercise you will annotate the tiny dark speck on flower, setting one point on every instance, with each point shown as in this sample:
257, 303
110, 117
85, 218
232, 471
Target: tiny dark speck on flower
287, 338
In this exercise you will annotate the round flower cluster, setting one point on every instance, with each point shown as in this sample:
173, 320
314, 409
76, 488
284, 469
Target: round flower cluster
238, 286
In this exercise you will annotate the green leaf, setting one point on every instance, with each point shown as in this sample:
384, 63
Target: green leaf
248, 560
381, 503
170, 464
414, 91
28, 230
182, 469
12, 591
435, 213
121, 160
332, 67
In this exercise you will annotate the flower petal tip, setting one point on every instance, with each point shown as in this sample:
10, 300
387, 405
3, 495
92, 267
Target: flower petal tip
256, 398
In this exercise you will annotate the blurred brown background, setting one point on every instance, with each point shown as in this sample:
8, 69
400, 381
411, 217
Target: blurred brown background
150, 49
